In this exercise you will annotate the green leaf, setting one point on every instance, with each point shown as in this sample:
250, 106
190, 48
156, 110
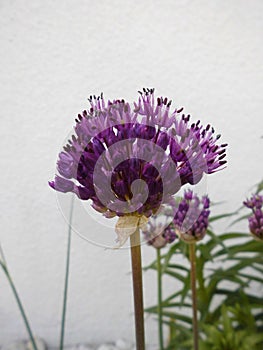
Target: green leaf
232, 235
175, 248
252, 278
186, 288
250, 246
221, 216
179, 267
177, 305
176, 275
173, 296
243, 217
252, 299
171, 314
259, 187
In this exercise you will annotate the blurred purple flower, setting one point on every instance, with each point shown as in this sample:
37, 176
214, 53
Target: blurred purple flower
256, 219
191, 218
189, 223
160, 228
128, 160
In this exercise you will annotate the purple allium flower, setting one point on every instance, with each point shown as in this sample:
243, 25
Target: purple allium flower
156, 240
191, 218
160, 229
128, 160
256, 219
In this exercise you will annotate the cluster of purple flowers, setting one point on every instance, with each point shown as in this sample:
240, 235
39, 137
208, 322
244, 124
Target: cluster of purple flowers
191, 218
189, 223
117, 143
156, 239
160, 228
256, 219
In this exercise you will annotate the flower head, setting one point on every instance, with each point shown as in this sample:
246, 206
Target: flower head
191, 218
160, 229
256, 219
129, 159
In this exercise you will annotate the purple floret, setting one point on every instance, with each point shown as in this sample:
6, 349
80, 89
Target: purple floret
256, 219
189, 223
191, 218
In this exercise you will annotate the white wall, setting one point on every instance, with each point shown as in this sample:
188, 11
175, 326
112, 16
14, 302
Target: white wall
205, 55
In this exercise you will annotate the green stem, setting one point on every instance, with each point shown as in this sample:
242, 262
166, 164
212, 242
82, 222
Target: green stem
160, 316
65, 296
194, 294
19, 303
2, 255
137, 289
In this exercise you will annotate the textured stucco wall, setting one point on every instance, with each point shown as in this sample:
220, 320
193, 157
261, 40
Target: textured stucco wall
205, 55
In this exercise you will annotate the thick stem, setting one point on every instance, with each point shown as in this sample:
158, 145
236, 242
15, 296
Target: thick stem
160, 315
19, 303
194, 294
65, 294
137, 289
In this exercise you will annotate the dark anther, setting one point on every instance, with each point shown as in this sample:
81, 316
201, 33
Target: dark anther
158, 101
224, 145
140, 92
222, 157
218, 136
179, 110
221, 162
211, 161
169, 103
207, 127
